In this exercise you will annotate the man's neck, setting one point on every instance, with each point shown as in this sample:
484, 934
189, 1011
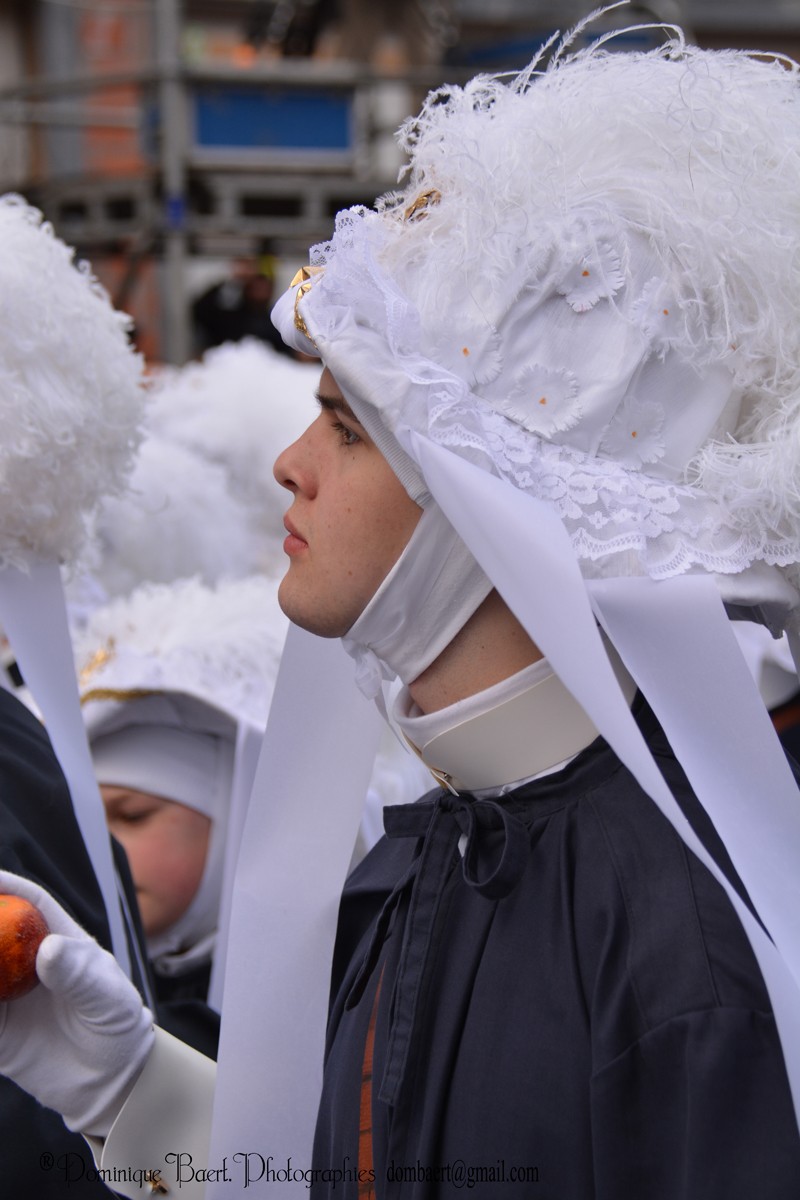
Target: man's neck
491, 646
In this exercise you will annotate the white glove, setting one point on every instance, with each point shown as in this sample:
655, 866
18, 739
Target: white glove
79, 1040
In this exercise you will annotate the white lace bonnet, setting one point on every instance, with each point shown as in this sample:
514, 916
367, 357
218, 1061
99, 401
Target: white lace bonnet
588, 287
577, 328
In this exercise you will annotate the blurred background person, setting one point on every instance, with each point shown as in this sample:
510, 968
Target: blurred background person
176, 682
239, 307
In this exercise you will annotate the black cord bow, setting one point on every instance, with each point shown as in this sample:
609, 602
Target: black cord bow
495, 849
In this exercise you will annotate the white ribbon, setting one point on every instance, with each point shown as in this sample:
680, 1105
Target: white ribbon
749, 792
33, 612
249, 741
298, 837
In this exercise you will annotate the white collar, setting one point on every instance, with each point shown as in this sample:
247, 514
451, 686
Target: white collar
524, 726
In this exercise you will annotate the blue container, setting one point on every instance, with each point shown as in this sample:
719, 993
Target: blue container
295, 119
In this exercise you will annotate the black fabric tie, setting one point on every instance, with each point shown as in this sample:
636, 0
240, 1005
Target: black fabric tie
494, 858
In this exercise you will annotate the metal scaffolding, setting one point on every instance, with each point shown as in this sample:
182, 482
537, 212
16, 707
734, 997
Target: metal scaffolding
159, 157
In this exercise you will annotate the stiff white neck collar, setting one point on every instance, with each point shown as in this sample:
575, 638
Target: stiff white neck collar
521, 727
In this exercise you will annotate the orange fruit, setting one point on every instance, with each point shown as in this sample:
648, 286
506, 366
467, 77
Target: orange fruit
22, 929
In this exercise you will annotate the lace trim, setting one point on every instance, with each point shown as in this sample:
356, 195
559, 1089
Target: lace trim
607, 508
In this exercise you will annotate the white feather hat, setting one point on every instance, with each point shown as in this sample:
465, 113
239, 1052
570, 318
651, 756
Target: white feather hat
176, 681
588, 287
220, 644
72, 400
179, 518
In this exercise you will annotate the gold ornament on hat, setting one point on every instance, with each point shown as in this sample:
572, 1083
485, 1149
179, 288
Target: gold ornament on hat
417, 208
101, 656
303, 281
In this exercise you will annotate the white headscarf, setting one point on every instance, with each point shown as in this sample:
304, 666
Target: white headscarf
163, 746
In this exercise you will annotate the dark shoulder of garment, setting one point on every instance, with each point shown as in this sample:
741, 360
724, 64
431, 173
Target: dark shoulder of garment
40, 840
599, 1030
183, 1010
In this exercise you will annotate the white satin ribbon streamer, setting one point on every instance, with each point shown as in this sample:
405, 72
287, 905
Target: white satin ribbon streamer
677, 641
33, 613
301, 824
552, 598
249, 741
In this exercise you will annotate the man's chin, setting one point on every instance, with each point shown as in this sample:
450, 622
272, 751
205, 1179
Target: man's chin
322, 624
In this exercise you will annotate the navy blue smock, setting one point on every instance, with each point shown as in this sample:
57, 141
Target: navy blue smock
571, 1011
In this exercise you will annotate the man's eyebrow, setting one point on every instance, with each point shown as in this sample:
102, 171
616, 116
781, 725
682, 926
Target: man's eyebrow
335, 404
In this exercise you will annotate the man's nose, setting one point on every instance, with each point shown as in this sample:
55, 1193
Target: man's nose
292, 467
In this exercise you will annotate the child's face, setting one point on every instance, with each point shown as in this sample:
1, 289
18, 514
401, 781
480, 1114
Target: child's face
166, 844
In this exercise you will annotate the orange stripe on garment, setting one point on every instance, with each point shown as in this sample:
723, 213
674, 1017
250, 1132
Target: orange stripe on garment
785, 716
366, 1166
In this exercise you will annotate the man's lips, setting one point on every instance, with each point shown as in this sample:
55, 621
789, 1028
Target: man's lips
294, 543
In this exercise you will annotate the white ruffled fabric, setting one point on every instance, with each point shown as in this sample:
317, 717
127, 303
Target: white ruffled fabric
220, 645
71, 399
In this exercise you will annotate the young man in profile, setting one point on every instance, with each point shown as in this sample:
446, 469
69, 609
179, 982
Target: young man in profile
560, 392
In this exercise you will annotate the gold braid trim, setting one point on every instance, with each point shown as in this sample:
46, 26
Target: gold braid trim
119, 694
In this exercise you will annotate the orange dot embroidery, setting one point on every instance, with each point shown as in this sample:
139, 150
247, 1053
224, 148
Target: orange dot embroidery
634, 433
543, 399
584, 273
665, 312
465, 351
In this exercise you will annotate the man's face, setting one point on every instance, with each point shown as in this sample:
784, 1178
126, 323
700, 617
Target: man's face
349, 521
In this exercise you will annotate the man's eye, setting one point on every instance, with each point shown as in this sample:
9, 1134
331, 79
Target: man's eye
347, 436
